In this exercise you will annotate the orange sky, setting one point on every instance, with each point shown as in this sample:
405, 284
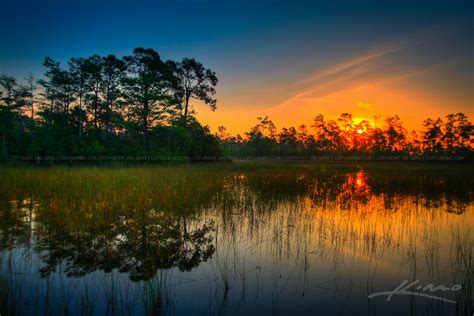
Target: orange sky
289, 60
373, 84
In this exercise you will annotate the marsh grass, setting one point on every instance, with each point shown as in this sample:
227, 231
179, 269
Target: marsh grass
253, 236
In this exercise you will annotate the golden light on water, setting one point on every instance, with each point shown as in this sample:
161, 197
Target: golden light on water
287, 228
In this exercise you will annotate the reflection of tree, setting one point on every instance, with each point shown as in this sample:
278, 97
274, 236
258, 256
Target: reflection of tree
135, 226
141, 231
15, 221
346, 189
139, 244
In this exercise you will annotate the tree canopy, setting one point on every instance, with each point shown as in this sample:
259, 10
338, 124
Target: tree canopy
108, 106
452, 136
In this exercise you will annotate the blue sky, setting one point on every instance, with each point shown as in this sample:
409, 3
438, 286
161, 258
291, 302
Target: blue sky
261, 50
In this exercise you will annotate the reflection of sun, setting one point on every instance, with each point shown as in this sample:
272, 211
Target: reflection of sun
360, 131
360, 183
356, 186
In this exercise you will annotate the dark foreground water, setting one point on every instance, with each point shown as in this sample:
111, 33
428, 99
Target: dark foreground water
243, 239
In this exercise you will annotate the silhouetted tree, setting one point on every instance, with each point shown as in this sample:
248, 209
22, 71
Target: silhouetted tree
93, 68
31, 87
304, 139
79, 74
8, 85
394, 133
113, 71
288, 141
433, 135
148, 89
347, 125
195, 82
7, 94
261, 137
104, 105
463, 131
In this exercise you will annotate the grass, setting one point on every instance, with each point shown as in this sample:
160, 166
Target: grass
249, 231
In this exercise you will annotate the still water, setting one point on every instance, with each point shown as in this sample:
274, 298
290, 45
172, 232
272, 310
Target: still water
237, 239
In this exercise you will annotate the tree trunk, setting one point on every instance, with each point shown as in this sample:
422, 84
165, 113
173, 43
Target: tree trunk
186, 105
96, 105
145, 124
4, 140
80, 118
32, 96
95, 114
32, 103
109, 110
109, 117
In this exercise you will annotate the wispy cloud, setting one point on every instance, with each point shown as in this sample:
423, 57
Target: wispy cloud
373, 68
365, 105
346, 66
388, 63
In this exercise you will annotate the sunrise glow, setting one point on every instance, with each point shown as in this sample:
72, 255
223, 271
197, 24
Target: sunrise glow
237, 157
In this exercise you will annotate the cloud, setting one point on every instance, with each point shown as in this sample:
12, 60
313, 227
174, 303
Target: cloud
349, 66
365, 105
397, 60
386, 67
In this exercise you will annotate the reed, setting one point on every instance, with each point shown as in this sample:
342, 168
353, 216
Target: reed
231, 238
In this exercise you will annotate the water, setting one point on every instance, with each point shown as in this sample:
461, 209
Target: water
246, 238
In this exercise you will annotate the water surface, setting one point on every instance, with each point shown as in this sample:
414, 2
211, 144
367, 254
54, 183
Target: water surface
244, 238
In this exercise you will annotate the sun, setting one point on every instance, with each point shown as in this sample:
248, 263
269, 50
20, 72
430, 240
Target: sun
360, 131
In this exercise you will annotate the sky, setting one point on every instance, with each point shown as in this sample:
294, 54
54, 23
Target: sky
289, 60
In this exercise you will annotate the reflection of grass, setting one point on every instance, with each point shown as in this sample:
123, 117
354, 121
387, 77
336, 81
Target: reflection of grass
276, 224
7, 305
462, 255
384, 226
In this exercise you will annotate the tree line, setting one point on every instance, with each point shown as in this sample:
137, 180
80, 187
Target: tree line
105, 105
452, 136
141, 105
